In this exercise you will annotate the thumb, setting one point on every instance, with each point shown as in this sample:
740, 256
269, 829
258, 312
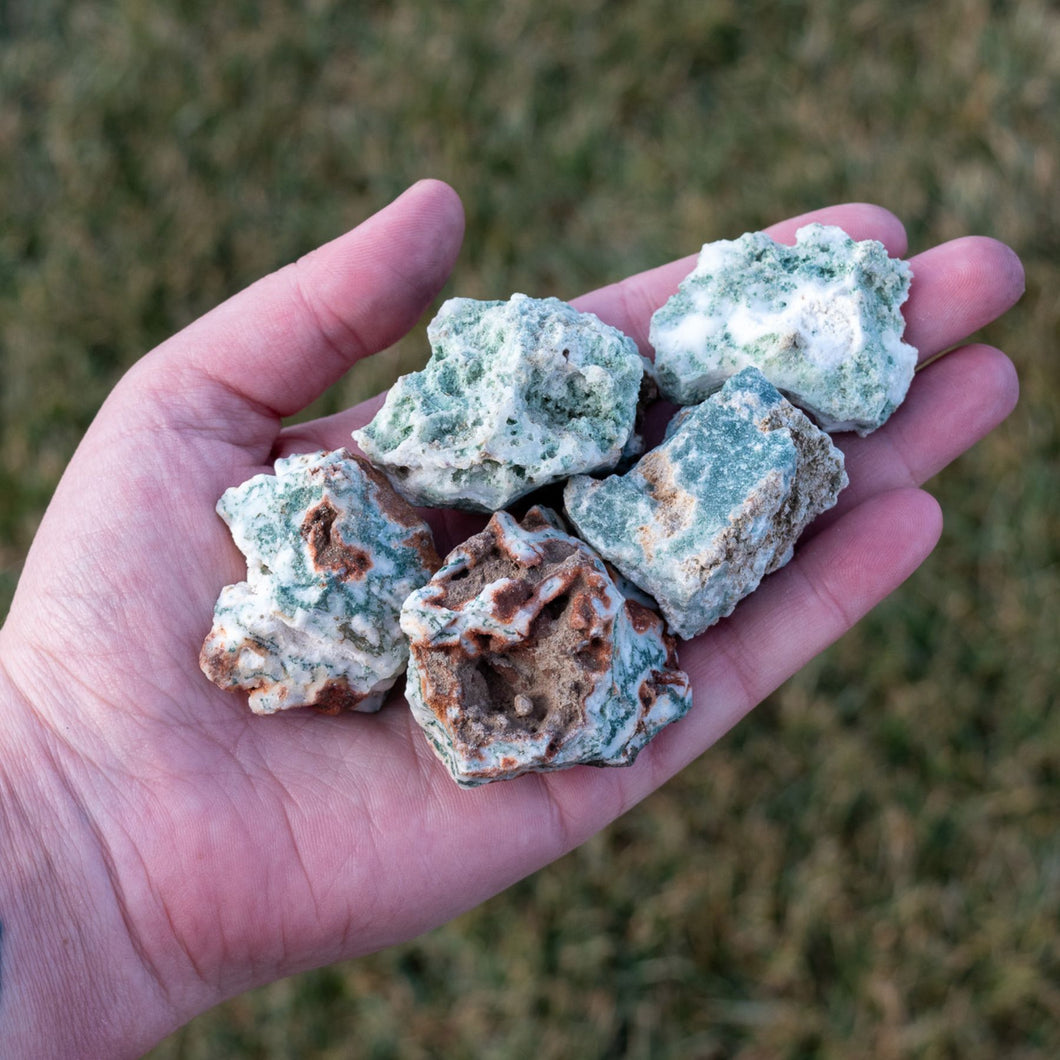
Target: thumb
275, 347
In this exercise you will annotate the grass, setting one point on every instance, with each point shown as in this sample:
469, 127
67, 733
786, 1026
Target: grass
869, 864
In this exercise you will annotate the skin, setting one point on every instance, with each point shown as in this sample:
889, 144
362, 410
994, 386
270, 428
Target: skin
163, 848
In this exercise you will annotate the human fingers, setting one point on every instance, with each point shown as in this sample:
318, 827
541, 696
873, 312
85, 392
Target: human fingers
957, 287
968, 282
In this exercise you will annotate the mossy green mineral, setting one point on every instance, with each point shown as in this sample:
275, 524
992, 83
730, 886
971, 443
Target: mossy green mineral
332, 551
527, 657
699, 521
516, 394
822, 320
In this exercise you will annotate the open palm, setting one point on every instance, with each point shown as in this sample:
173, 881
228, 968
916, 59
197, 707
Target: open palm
195, 850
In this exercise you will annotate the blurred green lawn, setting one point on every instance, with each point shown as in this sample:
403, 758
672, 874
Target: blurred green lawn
869, 866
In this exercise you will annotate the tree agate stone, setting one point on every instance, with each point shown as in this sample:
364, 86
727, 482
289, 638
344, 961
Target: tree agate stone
525, 656
699, 521
821, 320
332, 551
516, 394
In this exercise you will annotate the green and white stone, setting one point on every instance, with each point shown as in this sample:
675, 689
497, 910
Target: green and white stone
699, 521
526, 657
332, 551
516, 394
822, 320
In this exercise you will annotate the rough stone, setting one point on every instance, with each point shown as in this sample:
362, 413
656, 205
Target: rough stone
699, 521
526, 657
821, 319
332, 551
516, 394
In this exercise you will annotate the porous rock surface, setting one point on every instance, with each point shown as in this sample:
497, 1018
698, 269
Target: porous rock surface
822, 320
525, 656
332, 551
516, 394
699, 521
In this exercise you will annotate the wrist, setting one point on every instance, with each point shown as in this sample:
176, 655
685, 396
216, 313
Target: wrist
72, 982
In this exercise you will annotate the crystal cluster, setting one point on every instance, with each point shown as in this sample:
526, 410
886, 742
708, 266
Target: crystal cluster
525, 656
699, 521
332, 552
822, 321
516, 395
531, 649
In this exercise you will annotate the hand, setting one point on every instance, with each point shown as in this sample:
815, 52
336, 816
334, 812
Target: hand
164, 848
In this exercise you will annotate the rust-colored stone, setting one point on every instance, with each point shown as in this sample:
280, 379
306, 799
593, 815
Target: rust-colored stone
337, 696
328, 550
510, 599
524, 655
222, 667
